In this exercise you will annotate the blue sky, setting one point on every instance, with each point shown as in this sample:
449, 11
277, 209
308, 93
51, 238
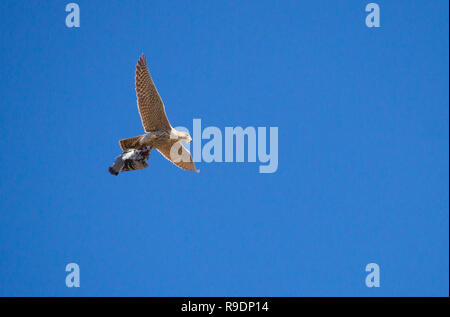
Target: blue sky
363, 118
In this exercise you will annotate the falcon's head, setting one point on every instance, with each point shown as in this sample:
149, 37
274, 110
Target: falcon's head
185, 137
180, 136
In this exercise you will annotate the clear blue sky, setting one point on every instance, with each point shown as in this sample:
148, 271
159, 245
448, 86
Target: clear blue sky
363, 176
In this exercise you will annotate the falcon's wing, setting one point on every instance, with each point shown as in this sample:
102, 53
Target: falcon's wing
150, 105
181, 156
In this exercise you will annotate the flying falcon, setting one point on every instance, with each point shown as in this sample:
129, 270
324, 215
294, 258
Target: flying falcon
159, 134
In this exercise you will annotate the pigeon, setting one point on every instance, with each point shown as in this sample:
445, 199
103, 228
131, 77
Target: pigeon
130, 160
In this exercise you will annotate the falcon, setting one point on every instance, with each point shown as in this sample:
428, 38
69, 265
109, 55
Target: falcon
159, 134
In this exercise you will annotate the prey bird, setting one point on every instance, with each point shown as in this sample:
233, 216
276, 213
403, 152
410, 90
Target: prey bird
159, 134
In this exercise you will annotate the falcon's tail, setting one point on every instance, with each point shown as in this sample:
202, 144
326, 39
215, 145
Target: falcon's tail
131, 143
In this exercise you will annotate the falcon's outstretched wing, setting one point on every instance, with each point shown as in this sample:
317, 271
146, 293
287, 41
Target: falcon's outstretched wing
150, 105
181, 156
